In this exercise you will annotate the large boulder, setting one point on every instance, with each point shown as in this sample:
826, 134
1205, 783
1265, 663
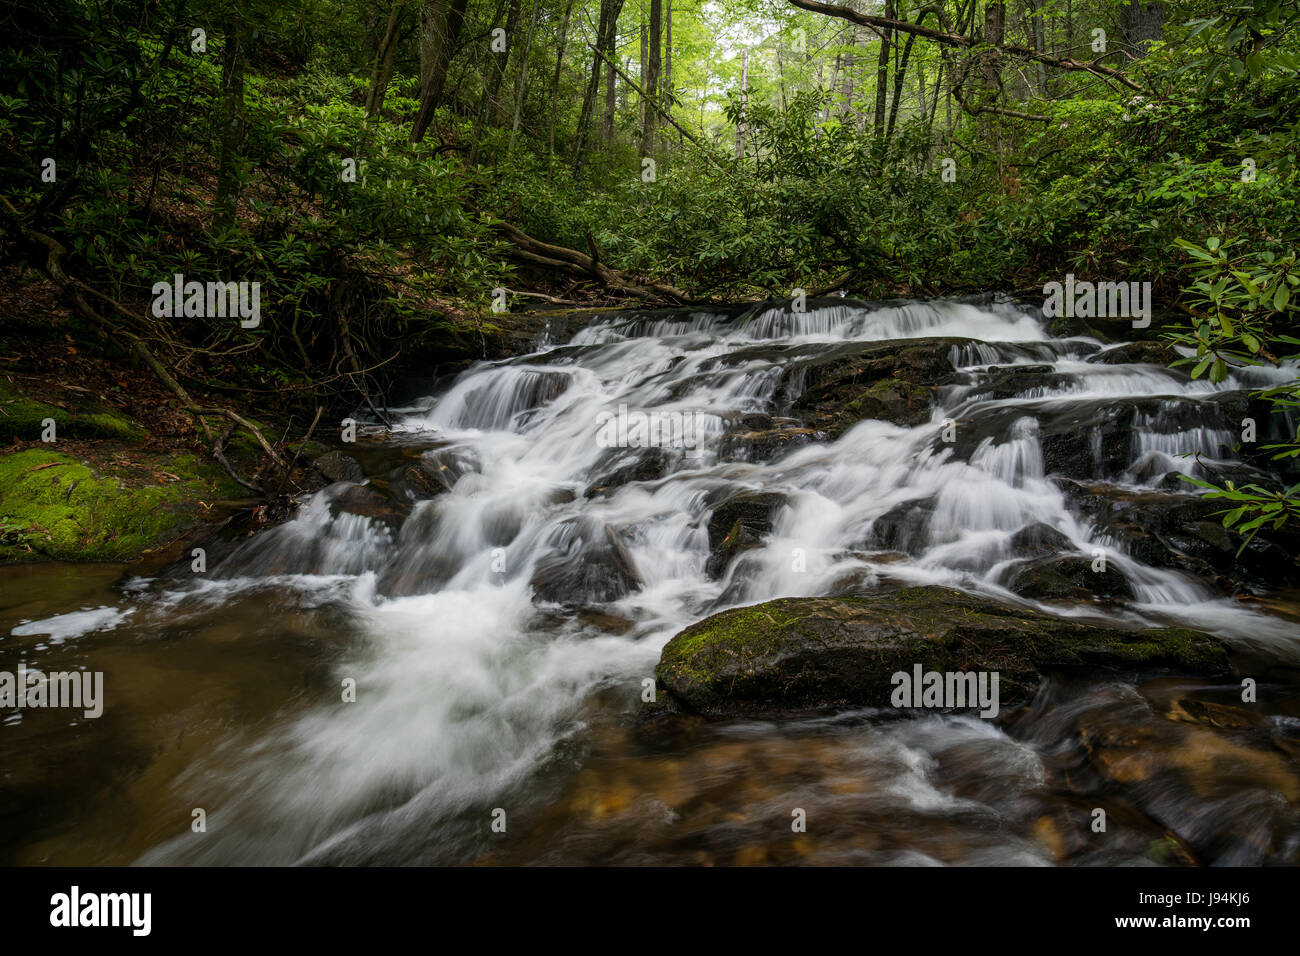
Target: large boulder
800, 654
890, 381
1185, 532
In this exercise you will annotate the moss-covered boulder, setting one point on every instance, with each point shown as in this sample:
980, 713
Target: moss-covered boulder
890, 381
54, 506
799, 654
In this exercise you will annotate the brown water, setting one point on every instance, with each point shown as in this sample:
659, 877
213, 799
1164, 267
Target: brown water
405, 666
1184, 772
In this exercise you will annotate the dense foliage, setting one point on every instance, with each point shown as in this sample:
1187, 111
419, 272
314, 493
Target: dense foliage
358, 161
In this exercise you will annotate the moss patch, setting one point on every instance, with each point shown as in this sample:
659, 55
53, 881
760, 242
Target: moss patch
803, 653
52, 505
25, 418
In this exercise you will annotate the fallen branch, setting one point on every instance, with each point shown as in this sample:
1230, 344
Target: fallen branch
76, 290
574, 263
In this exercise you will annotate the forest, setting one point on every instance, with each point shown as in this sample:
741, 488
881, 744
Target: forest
973, 316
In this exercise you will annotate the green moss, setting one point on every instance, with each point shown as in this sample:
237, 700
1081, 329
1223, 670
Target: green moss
799, 652
55, 506
25, 418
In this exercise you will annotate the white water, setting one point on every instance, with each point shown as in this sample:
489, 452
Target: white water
468, 684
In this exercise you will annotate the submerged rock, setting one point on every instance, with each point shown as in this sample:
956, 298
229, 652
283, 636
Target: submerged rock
592, 567
798, 654
739, 524
761, 438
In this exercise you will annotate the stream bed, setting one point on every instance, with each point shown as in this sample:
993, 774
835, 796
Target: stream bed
462, 633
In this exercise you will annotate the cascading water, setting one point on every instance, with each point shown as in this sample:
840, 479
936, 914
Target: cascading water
500, 632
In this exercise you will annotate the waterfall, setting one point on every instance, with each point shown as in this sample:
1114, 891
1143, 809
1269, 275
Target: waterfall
554, 566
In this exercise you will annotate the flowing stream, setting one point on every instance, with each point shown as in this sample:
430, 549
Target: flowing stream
498, 621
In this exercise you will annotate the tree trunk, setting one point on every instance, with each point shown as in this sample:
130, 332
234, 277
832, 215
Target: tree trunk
882, 71
382, 72
900, 73
500, 62
650, 119
521, 87
609, 11
611, 105
433, 21
232, 126
559, 62
846, 88
666, 87
1140, 25
744, 102
431, 92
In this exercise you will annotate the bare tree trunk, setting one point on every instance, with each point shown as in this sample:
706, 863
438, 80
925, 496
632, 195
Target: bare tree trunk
744, 101
521, 87
609, 11
382, 72
433, 20
611, 105
882, 71
835, 85
667, 85
559, 62
846, 88
650, 117
431, 93
500, 62
1140, 25
232, 125
900, 73
1036, 6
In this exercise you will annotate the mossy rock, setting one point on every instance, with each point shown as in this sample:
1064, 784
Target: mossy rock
799, 654
52, 505
24, 418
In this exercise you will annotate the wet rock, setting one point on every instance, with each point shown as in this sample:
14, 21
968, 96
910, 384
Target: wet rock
337, 466
894, 400
738, 524
888, 381
415, 483
1228, 796
904, 527
649, 464
1068, 577
608, 623
797, 654
366, 502
1183, 532
1013, 381
762, 438
1138, 353
1038, 539
591, 567
446, 466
